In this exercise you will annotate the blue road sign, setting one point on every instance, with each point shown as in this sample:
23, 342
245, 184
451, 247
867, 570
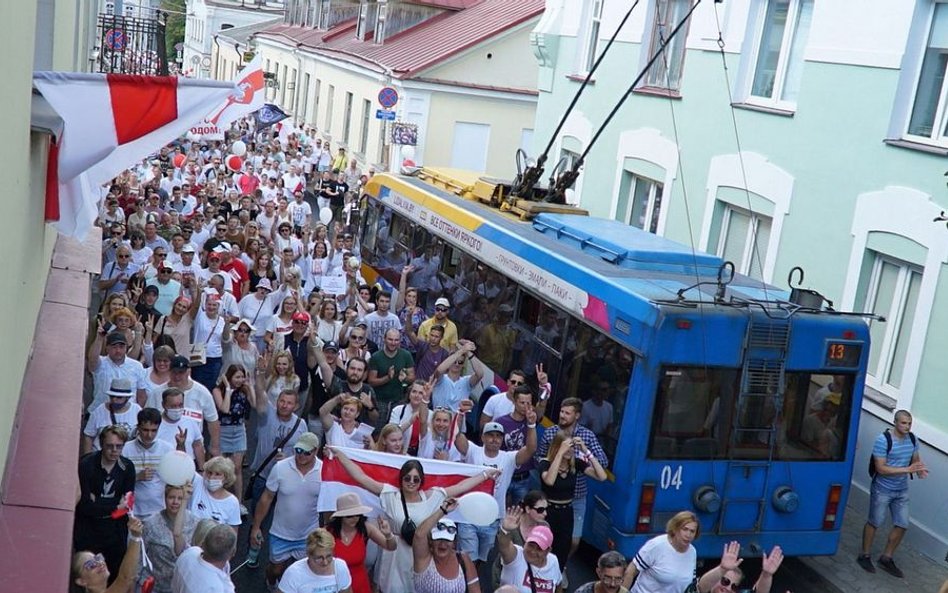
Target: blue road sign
385, 114
388, 97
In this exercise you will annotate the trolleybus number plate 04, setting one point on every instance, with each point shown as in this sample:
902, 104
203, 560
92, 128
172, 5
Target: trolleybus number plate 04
670, 477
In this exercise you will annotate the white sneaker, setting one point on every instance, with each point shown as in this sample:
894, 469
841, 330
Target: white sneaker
244, 511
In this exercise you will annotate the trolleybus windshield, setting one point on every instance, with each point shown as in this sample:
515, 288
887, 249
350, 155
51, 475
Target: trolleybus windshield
699, 414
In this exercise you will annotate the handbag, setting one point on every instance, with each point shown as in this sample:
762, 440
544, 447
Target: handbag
198, 355
248, 491
408, 526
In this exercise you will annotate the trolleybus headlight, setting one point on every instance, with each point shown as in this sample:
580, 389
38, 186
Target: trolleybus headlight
786, 500
706, 499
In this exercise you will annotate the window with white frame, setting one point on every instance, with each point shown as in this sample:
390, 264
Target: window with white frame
366, 115
892, 291
590, 46
665, 73
640, 202
329, 102
778, 59
743, 240
929, 115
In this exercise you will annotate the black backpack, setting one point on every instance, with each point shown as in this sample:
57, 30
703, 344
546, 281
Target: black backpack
888, 449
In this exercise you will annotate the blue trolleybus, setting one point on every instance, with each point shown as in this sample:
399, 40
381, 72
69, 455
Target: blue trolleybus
710, 391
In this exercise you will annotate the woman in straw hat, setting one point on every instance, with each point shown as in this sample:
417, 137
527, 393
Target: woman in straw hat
352, 532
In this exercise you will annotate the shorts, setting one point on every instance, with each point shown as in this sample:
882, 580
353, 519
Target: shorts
234, 439
579, 516
477, 541
282, 550
896, 501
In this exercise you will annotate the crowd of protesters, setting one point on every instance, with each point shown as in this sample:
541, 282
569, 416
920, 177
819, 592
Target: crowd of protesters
216, 334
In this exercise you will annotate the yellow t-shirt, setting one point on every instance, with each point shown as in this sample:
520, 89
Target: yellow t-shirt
450, 339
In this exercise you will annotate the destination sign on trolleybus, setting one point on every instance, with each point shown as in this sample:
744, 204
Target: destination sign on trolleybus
524, 272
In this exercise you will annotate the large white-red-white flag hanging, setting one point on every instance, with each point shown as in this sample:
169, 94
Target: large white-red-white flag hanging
384, 467
111, 122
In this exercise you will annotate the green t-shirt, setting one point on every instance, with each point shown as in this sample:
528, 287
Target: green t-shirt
380, 362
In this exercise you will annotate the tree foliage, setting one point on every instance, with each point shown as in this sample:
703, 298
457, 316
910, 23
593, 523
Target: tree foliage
174, 28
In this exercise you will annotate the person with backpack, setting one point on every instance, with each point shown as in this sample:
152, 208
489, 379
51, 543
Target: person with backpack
895, 458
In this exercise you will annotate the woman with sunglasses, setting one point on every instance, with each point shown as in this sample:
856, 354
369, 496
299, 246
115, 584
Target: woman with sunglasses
124, 320
320, 570
141, 253
726, 577
352, 532
534, 506
156, 377
437, 566
92, 575
667, 562
167, 533
234, 397
566, 458
395, 568
239, 348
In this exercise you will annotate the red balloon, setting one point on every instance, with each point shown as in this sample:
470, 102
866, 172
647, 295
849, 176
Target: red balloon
178, 160
234, 162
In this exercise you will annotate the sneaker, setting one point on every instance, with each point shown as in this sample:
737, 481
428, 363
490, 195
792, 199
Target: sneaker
889, 566
865, 562
244, 511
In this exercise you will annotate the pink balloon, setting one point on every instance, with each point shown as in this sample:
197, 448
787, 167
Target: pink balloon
234, 162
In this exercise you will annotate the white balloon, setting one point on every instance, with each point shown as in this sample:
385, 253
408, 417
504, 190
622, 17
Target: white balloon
239, 148
176, 468
479, 508
325, 215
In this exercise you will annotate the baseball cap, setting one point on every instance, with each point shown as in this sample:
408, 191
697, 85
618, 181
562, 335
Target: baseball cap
493, 427
301, 316
151, 288
331, 345
541, 536
361, 322
445, 529
187, 248
120, 387
307, 441
165, 265
116, 337
442, 302
222, 247
180, 363
834, 398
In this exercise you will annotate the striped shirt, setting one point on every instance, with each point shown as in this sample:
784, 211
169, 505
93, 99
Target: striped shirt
899, 456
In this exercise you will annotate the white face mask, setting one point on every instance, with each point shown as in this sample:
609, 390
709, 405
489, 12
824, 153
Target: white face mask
214, 485
174, 414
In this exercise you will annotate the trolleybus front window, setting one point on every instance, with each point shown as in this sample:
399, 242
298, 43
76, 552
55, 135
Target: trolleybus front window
816, 416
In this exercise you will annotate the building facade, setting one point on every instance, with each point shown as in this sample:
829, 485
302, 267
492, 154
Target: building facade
822, 144
462, 70
206, 18
46, 305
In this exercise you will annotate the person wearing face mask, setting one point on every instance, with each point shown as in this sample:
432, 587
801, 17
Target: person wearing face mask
210, 499
145, 451
119, 409
179, 430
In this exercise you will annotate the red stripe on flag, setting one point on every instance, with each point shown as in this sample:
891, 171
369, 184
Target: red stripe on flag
141, 104
333, 471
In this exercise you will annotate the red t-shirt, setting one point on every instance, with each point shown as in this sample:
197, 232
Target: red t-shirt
238, 274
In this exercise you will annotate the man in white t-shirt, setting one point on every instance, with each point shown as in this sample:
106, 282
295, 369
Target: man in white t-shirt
178, 430
146, 452
502, 404
204, 569
544, 567
477, 541
198, 401
120, 409
114, 365
297, 481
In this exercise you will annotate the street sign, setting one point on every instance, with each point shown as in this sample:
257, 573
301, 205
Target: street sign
115, 39
385, 114
388, 97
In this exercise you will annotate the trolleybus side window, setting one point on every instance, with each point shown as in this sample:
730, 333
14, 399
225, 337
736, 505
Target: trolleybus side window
371, 228
691, 412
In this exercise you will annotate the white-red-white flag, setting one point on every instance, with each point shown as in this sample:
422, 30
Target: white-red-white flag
384, 467
111, 122
246, 98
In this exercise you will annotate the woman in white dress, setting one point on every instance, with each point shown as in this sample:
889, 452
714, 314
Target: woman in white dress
394, 570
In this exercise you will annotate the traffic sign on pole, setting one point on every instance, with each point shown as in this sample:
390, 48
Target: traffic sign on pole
388, 97
115, 39
385, 114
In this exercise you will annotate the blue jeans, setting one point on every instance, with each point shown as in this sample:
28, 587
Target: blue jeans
518, 489
477, 541
895, 501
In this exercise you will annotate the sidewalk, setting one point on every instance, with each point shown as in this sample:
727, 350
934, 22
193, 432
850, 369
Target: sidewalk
922, 574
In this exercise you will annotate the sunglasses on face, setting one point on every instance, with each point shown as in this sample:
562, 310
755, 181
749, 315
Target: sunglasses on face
515, 381
441, 309
358, 338
299, 451
91, 563
729, 584
541, 510
412, 479
243, 330
122, 256
452, 529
